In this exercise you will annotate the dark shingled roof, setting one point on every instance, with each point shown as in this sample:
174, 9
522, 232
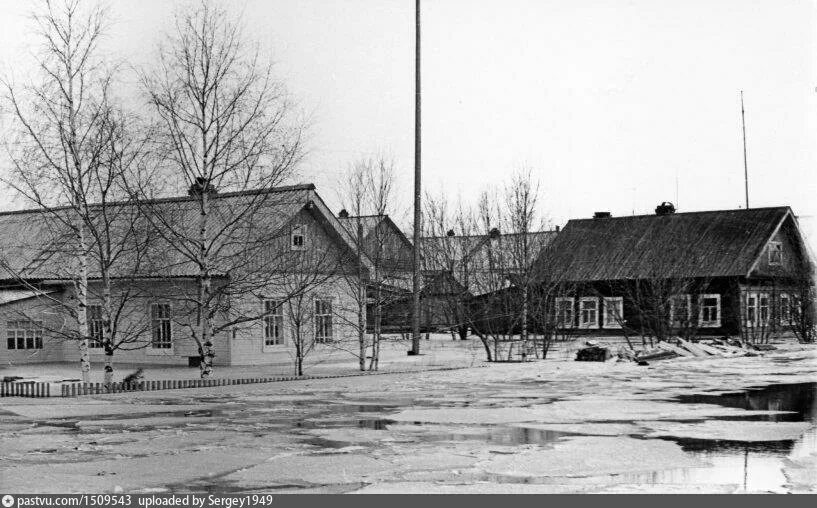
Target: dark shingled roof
693, 244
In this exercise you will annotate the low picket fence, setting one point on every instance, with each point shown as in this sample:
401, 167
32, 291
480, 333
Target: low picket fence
25, 389
75, 389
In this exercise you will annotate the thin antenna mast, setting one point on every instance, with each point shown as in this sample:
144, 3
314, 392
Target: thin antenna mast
745, 166
677, 203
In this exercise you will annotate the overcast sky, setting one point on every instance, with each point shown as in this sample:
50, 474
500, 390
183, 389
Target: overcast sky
610, 102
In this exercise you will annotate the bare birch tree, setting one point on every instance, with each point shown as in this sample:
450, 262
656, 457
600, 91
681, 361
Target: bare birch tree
369, 193
224, 124
61, 155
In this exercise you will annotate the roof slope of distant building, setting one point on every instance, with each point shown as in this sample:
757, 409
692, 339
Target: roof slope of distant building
390, 245
506, 249
35, 245
692, 244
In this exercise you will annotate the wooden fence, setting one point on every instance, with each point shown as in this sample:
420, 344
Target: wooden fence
75, 389
25, 389
34, 389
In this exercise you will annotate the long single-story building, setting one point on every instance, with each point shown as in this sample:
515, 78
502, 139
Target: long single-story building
710, 273
287, 263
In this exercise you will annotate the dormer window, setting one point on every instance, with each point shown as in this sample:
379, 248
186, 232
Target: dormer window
297, 240
775, 253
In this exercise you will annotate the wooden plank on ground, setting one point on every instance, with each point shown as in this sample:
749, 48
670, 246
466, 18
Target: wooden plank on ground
692, 348
674, 349
709, 349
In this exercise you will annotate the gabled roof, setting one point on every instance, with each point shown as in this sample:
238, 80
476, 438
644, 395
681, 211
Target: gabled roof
369, 224
36, 246
693, 244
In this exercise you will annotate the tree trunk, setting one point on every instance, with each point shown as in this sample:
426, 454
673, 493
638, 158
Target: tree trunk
82, 307
107, 329
378, 322
361, 300
525, 317
203, 314
361, 323
487, 347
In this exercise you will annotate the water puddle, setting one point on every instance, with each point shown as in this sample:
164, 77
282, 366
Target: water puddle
750, 466
797, 398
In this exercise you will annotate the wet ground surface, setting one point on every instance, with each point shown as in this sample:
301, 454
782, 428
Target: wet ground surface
721, 425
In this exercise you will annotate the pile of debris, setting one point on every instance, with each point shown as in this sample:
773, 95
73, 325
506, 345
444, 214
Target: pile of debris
673, 348
678, 347
593, 353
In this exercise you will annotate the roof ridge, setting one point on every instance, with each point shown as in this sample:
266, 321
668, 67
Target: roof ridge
675, 214
170, 199
481, 235
364, 216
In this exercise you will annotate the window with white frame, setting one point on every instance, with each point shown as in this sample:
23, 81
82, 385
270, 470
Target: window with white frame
751, 309
763, 309
161, 315
323, 320
589, 312
96, 325
297, 238
24, 334
613, 311
709, 314
273, 322
775, 253
680, 311
564, 312
785, 309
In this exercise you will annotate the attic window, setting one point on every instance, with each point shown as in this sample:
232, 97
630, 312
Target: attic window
775, 253
298, 238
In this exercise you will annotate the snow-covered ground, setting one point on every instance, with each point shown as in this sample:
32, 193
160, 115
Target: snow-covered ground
440, 351
544, 426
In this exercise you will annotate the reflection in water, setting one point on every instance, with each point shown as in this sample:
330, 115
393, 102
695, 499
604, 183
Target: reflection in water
797, 397
753, 466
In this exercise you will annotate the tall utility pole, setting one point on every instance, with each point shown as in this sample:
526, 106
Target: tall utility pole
415, 314
745, 166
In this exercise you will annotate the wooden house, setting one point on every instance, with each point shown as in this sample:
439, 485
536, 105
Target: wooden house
289, 250
710, 273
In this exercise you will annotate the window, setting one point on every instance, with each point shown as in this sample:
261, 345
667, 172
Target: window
298, 238
588, 312
613, 312
680, 311
709, 315
564, 313
323, 321
763, 307
160, 315
96, 325
273, 322
775, 253
751, 310
785, 309
24, 334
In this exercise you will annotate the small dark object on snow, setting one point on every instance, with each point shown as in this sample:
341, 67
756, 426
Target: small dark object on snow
763, 347
593, 354
11, 379
643, 362
135, 377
